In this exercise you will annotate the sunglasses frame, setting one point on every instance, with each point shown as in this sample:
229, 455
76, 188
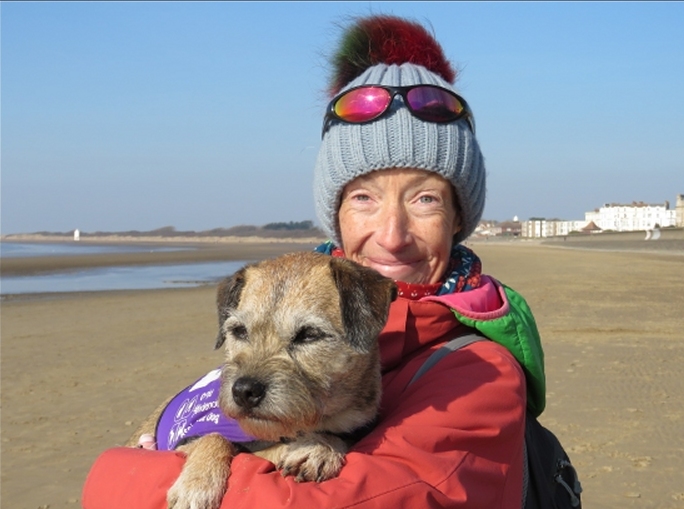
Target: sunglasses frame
331, 115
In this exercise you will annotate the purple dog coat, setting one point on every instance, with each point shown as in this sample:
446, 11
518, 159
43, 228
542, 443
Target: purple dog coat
194, 412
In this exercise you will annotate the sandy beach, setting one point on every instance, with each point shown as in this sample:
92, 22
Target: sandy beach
80, 371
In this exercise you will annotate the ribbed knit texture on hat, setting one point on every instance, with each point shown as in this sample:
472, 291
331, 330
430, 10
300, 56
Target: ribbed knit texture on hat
399, 140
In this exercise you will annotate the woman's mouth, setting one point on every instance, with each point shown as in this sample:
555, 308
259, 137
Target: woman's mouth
396, 269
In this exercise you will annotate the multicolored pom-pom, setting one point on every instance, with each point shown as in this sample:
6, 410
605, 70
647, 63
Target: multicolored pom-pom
386, 40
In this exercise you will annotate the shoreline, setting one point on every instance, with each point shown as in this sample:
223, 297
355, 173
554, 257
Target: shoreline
141, 239
220, 249
202, 252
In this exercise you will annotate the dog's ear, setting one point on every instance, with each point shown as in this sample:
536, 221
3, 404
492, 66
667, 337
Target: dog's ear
365, 297
227, 299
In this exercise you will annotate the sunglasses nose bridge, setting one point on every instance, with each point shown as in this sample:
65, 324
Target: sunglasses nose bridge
396, 103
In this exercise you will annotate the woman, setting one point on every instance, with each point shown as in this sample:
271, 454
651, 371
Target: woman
398, 184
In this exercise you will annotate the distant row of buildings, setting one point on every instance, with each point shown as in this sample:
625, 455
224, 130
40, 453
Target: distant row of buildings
636, 216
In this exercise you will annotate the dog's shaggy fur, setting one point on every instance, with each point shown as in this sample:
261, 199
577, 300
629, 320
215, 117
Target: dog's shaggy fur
301, 367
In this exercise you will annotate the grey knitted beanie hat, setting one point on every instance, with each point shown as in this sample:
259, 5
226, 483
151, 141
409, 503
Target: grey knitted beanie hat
397, 139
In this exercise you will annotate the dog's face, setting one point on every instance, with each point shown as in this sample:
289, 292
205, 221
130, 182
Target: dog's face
300, 334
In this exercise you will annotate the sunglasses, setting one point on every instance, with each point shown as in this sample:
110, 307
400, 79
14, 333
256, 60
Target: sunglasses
370, 102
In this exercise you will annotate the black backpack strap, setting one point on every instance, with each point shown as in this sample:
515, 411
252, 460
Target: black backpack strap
451, 346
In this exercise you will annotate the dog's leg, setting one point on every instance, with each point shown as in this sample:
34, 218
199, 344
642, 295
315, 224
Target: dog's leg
202, 482
311, 457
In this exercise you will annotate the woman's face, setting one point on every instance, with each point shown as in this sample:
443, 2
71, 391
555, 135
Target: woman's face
399, 222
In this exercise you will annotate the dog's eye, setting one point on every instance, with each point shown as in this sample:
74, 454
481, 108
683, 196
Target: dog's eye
239, 332
308, 335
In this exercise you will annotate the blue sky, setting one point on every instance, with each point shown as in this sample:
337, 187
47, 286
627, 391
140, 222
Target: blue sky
138, 115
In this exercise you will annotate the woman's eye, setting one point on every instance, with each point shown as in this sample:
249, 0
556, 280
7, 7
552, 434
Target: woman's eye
427, 199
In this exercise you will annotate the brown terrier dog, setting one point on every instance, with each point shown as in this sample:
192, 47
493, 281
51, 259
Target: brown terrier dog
302, 367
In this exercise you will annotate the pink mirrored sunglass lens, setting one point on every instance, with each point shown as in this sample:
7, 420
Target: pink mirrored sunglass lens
434, 104
362, 104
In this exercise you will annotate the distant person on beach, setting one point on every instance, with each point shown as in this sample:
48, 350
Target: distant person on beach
399, 184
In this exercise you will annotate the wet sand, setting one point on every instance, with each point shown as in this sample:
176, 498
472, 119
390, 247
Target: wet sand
190, 252
80, 371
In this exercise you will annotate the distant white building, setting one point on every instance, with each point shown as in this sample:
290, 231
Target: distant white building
541, 227
494, 229
77, 235
637, 216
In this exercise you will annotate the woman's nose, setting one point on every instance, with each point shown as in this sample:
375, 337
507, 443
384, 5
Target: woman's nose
393, 232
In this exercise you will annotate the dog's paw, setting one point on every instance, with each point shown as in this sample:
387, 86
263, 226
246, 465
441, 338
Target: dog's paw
313, 457
203, 479
196, 491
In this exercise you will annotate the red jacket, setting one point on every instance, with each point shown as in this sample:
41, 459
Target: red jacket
454, 438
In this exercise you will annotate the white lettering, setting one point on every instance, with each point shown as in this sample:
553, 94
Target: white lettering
185, 409
198, 409
178, 432
210, 417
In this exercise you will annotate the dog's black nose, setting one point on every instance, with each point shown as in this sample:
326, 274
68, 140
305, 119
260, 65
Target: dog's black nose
248, 392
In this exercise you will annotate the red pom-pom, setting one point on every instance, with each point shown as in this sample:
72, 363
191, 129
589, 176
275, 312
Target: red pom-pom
387, 40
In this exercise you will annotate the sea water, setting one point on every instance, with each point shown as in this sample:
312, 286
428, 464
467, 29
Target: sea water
109, 278
26, 249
